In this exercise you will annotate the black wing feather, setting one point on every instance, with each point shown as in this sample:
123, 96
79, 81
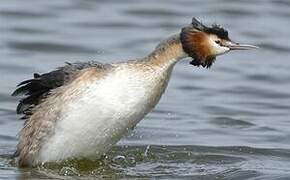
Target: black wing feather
38, 88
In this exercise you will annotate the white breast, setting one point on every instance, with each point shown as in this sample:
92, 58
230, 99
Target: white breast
103, 113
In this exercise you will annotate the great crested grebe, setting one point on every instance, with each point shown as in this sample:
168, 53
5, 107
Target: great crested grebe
81, 110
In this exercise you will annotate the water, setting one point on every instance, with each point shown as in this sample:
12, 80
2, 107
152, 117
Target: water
229, 122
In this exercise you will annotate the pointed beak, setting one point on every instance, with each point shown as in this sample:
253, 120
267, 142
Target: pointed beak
238, 46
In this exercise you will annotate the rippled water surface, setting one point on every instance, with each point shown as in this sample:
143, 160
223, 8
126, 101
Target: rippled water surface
229, 122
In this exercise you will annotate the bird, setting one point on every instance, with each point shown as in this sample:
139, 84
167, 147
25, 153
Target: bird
82, 109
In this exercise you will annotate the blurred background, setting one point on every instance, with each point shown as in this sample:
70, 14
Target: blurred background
228, 122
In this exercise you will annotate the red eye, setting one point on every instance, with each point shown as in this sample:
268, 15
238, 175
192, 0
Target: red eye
218, 41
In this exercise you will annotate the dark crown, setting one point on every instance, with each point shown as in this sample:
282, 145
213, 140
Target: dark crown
214, 29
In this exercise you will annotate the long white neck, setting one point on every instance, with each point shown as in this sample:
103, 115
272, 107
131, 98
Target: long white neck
168, 52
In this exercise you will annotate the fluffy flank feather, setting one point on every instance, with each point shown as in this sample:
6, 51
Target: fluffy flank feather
37, 89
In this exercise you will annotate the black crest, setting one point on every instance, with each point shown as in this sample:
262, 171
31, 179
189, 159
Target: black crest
219, 31
214, 29
197, 25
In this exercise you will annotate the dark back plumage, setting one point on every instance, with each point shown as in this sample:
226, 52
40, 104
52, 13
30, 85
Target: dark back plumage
38, 88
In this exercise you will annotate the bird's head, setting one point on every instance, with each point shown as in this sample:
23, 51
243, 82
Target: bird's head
204, 43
